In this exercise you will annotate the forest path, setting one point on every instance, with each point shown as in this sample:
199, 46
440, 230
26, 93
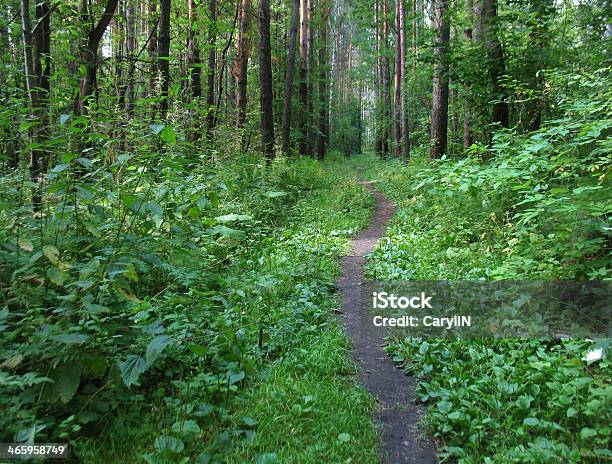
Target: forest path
402, 440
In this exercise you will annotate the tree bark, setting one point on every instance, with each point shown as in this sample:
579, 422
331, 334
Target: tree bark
386, 81
405, 153
397, 86
439, 111
37, 67
323, 90
152, 30
90, 55
265, 77
468, 138
304, 58
212, 65
242, 63
286, 119
163, 55
497, 65
193, 52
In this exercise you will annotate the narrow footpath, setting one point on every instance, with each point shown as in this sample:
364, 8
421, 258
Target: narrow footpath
397, 414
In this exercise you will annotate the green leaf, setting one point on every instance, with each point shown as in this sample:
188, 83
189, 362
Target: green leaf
51, 253
64, 118
531, 421
200, 350
155, 348
571, 412
70, 338
168, 135
157, 128
132, 368
185, 427
67, 378
234, 377
228, 232
85, 162
233, 217
170, 443
56, 276
587, 433
344, 437
25, 244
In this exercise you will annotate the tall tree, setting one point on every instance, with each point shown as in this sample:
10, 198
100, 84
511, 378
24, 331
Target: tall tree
212, 65
397, 86
289, 76
265, 77
163, 55
242, 63
386, 79
89, 52
304, 65
405, 153
323, 78
193, 51
497, 64
439, 110
37, 66
468, 138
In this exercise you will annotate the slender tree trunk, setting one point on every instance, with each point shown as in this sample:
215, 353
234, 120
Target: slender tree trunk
265, 73
242, 63
304, 56
37, 67
293, 32
468, 138
439, 111
130, 47
90, 55
152, 30
378, 144
397, 86
163, 55
497, 65
212, 65
193, 52
386, 82
323, 78
405, 153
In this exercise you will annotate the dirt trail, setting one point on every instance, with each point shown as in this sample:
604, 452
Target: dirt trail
402, 441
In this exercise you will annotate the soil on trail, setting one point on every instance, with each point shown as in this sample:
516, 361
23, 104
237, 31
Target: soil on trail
398, 416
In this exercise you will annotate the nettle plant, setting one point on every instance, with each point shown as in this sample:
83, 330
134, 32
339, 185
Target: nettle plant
120, 271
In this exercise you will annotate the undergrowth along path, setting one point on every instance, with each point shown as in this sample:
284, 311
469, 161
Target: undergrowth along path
398, 416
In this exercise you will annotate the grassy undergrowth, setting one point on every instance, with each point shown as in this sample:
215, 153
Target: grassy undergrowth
199, 327
527, 207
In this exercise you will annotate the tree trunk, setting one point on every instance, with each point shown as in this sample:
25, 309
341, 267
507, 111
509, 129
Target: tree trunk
386, 81
397, 86
37, 67
468, 138
242, 63
90, 55
378, 143
323, 91
212, 65
265, 77
130, 47
163, 55
286, 122
304, 56
152, 30
439, 111
497, 65
405, 153
193, 52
